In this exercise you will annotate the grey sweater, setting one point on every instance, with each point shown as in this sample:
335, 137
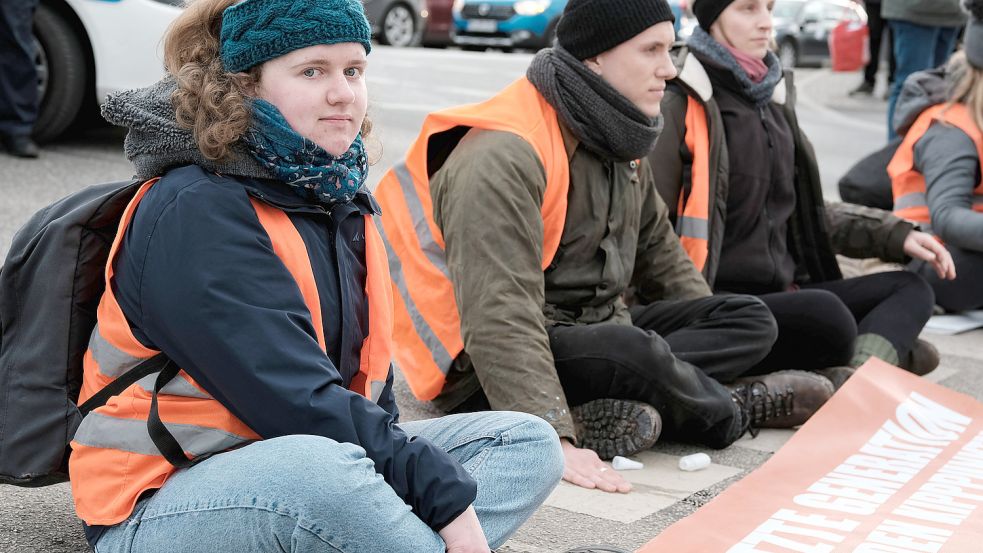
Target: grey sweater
933, 13
948, 159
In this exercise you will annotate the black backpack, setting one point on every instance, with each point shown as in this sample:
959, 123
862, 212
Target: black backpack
50, 286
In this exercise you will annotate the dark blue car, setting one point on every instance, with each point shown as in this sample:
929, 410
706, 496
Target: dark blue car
506, 23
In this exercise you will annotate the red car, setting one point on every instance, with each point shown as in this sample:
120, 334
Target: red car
438, 30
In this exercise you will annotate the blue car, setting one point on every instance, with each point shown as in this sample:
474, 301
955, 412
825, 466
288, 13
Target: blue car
506, 23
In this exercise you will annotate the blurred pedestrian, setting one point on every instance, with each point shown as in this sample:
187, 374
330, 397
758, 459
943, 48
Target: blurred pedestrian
742, 184
18, 77
924, 34
935, 174
878, 33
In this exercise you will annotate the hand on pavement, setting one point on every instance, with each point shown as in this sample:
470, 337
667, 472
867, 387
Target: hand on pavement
921, 245
584, 468
464, 534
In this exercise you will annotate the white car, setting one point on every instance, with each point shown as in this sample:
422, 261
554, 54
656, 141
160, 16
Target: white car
90, 48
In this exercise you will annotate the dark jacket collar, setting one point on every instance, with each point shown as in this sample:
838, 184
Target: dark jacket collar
281, 196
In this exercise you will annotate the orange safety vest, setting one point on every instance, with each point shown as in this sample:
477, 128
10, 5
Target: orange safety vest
907, 183
693, 211
113, 458
427, 328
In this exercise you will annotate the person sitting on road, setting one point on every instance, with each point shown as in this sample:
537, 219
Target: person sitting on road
742, 184
935, 174
252, 260
515, 228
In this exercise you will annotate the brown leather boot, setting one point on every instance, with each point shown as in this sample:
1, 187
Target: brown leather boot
613, 427
922, 359
782, 399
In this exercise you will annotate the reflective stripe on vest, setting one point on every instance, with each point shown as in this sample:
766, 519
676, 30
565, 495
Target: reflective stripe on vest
692, 213
427, 332
907, 183
114, 459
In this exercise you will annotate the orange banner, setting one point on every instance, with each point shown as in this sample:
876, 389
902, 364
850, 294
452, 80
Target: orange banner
891, 464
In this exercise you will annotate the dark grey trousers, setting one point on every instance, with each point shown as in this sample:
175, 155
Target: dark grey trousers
674, 357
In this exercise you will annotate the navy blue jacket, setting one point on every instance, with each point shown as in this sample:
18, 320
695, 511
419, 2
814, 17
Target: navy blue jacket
197, 278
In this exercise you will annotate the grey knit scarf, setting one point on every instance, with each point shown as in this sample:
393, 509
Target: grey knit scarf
760, 93
599, 116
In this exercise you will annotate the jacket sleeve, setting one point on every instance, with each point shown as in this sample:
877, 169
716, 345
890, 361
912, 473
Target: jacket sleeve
666, 160
201, 281
860, 232
947, 157
663, 270
387, 400
487, 202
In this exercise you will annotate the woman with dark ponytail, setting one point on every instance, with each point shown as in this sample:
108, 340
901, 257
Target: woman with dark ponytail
742, 182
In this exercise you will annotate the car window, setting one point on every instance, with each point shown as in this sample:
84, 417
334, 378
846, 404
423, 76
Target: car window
813, 11
834, 12
854, 14
786, 10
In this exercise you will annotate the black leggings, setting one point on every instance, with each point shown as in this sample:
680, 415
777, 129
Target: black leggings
966, 292
818, 324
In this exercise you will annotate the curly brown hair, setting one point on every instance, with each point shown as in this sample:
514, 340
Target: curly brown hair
209, 101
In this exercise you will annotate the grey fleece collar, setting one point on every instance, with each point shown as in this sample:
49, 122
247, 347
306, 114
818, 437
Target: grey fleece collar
155, 142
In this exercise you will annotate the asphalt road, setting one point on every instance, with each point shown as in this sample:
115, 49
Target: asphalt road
404, 85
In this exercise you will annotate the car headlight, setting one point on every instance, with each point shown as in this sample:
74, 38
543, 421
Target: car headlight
531, 7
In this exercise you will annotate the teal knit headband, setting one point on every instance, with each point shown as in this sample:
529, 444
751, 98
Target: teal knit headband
255, 31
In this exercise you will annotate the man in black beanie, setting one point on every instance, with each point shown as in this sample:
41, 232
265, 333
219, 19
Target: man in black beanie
516, 229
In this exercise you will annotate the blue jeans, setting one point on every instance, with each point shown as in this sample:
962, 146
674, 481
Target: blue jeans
18, 75
312, 494
916, 47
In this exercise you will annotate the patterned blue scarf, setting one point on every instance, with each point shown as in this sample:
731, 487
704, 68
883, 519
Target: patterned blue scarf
311, 171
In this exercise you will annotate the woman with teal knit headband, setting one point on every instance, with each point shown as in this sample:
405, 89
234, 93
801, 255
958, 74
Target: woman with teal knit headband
252, 259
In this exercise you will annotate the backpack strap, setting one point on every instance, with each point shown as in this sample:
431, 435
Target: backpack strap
161, 436
124, 381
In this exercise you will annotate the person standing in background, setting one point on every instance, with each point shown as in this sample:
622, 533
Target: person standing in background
879, 32
19, 99
924, 34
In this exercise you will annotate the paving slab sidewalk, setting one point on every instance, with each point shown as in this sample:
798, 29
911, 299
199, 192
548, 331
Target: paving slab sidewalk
42, 520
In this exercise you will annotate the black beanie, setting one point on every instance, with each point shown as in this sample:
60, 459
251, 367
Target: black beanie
973, 38
589, 27
707, 11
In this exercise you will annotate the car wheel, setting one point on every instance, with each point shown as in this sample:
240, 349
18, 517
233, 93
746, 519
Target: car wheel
398, 26
61, 68
788, 53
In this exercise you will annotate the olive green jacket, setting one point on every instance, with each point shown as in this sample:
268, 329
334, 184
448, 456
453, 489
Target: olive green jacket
487, 199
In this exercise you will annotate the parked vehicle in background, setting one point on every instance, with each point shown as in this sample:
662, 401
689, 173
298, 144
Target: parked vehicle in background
678, 8
506, 23
440, 20
89, 48
685, 20
397, 22
802, 28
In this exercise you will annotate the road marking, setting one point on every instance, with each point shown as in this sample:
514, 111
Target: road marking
828, 113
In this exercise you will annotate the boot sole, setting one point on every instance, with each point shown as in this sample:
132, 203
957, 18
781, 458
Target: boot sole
612, 427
